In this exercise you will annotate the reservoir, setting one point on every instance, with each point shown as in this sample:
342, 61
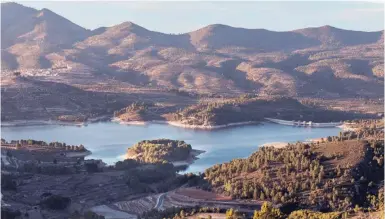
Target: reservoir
109, 141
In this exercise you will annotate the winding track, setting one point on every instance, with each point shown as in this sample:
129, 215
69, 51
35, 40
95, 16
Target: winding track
159, 201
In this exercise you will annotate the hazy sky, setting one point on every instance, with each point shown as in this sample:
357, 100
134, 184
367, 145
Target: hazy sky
182, 16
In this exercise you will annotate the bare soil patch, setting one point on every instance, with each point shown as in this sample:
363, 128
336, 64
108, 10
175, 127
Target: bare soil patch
206, 215
201, 194
349, 152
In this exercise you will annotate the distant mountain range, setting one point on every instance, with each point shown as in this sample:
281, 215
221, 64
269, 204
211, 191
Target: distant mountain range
321, 62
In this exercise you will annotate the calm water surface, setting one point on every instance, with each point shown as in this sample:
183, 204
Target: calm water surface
109, 141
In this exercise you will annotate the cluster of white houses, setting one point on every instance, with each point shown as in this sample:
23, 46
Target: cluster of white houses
304, 123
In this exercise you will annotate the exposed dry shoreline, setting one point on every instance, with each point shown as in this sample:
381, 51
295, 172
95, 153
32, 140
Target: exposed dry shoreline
178, 124
275, 144
192, 157
14, 123
50, 122
38, 122
78, 154
347, 127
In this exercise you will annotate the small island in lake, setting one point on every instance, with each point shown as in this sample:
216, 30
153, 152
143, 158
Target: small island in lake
163, 151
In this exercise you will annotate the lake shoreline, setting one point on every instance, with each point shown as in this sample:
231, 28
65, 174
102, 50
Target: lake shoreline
18, 123
347, 127
193, 156
190, 160
21, 123
109, 141
275, 144
79, 154
181, 125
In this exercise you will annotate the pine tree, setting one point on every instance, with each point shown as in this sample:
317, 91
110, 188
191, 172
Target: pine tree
255, 194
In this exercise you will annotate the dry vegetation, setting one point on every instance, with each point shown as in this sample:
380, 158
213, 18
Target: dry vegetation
201, 194
159, 151
322, 62
248, 108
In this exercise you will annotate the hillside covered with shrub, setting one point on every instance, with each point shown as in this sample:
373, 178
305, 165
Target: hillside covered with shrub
159, 151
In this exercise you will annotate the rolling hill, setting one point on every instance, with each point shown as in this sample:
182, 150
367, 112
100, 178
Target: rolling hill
319, 62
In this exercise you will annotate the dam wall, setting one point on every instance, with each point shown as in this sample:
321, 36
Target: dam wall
304, 123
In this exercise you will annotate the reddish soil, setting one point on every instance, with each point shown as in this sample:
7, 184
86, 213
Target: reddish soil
201, 194
351, 152
206, 215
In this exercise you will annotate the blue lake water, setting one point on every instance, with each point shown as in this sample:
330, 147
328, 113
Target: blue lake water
109, 141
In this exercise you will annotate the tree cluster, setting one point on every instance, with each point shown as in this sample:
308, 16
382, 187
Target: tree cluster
55, 202
180, 212
160, 151
31, 142
298, 174
138, 107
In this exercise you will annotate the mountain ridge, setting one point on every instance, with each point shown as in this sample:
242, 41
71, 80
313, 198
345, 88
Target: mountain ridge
210, 26
316, 61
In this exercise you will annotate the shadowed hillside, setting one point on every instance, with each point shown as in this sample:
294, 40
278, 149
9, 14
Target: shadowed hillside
216, 60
